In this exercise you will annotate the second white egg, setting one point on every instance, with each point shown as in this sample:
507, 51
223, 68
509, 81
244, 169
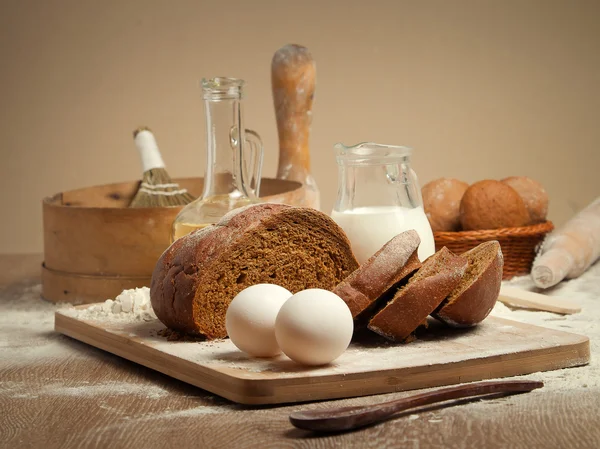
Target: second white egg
314, 327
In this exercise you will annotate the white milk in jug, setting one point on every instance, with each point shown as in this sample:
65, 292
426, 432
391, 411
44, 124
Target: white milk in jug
369, 228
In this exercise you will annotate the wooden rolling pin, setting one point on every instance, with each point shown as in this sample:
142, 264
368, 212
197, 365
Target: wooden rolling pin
293, 82
569, 251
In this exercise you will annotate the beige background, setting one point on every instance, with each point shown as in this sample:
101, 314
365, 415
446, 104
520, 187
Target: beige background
481, 89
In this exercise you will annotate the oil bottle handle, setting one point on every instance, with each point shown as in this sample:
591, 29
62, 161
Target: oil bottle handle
255, 160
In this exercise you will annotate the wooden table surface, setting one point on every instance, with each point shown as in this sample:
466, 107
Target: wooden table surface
56, 392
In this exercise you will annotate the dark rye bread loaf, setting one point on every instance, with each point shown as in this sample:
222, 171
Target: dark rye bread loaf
196, 278
474, 298
410, 306
396, 260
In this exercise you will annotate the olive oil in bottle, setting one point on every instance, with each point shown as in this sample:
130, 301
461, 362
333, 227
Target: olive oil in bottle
181, 229
211, 211
233, 155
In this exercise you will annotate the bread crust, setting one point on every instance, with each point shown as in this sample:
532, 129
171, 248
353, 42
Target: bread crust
396, 260
189, 262
477, 301
412, 304
533, 194
441, 201
491, 204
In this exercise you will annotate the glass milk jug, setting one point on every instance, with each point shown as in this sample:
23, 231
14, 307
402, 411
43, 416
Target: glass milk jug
234, 159
378, 198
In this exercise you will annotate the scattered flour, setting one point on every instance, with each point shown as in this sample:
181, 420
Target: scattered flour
187, 413
222, 353
584, 290
27, 328
25, 390
109, 388
27, 337
130, 305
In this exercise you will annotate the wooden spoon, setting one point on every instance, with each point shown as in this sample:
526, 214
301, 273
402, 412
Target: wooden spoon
347, 418
513, 296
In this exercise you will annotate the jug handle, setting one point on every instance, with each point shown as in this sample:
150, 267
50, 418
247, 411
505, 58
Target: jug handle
255, 161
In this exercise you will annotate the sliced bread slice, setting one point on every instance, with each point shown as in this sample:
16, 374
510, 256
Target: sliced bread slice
424, 292
395, 261
474, 298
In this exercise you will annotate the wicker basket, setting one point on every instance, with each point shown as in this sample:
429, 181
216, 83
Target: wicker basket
519, 245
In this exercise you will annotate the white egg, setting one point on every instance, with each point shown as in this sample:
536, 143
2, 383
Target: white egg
314, 327
250, 319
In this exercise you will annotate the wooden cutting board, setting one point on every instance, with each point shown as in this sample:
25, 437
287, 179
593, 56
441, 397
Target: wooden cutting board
371, 365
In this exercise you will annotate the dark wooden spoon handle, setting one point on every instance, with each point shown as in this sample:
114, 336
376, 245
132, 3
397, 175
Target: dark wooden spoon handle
347, 418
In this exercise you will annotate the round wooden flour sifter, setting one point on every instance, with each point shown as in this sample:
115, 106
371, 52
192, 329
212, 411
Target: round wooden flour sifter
95, 246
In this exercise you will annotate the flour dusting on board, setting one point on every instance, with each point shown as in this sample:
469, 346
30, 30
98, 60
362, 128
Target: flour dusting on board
493, 338
27, 338
130, 305
375, 353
